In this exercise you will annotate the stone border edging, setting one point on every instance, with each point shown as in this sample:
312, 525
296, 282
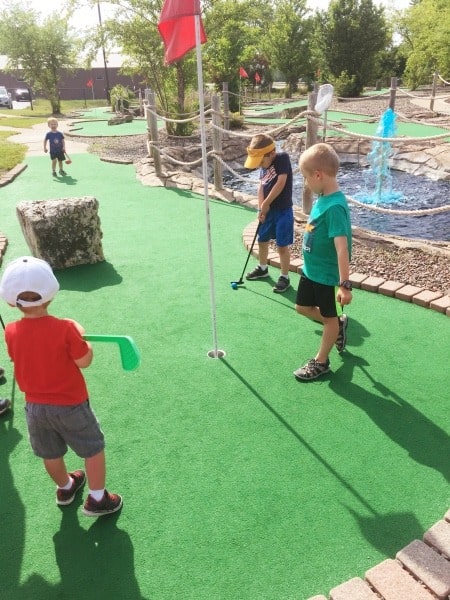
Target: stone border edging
409, 293
9, 176
420, 571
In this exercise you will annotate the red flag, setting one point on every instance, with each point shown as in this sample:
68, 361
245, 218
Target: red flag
242, 72
177, 28
89, 83
257, 78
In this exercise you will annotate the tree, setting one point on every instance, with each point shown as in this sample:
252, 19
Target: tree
134, 30
425, 29
289, 41
352, 33
234, 30
39, 50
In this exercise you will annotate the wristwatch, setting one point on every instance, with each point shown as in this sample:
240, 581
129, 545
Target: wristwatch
346, 284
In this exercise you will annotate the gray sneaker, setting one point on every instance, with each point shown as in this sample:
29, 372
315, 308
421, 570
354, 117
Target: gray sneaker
312, 370
257, 273
282, 285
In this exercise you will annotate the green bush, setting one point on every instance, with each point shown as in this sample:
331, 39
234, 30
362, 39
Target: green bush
236, 121
121, 96
346, 86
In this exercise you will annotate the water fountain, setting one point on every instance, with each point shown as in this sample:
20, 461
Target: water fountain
379, 177
377, 184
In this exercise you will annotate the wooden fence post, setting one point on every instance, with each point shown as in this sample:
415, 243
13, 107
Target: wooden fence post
433, 91
152, 128
393, 93
311, 139
226, 106
217, 142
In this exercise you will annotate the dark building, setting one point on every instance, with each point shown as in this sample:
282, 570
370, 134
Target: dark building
76, 85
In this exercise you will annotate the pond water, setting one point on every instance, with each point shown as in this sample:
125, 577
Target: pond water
411, 193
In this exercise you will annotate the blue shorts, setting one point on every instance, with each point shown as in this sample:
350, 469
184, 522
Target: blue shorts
311, 293
53, 429
279, 226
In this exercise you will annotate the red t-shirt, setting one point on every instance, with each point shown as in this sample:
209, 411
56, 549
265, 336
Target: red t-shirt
43, 351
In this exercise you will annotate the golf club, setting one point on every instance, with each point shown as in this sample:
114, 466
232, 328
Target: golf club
129, 354
234, 284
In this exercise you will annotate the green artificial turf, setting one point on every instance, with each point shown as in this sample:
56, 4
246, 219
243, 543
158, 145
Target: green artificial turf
238, 481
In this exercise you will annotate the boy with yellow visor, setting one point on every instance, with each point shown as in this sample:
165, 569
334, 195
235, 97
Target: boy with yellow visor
275, 213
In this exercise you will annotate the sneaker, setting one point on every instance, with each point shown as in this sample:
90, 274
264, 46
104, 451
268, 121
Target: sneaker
342, 337
110, 503
5, 405
257, 273
2, 372
54, 174
312, 370
65, 497
282, 285
62, 172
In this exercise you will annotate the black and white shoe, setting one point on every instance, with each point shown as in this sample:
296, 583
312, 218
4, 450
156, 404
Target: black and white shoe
257, 273
282, 285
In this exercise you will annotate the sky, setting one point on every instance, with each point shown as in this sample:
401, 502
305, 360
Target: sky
86, 17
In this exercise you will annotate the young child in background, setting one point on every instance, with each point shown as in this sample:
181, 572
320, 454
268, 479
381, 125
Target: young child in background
276, 215
324, 283
48, 354
55, 139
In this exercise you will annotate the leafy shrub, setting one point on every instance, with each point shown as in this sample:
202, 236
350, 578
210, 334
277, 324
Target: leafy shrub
347, 86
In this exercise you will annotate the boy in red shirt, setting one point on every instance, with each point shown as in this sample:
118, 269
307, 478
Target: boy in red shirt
48, 354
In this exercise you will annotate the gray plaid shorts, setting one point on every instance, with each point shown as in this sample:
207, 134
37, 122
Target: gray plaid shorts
54, 429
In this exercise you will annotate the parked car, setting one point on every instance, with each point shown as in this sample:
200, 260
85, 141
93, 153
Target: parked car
21, 95
5, 98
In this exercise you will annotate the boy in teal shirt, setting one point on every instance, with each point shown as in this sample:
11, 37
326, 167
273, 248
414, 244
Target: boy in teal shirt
327, 242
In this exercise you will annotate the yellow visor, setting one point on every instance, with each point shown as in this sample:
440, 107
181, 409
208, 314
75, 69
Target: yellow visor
255, 156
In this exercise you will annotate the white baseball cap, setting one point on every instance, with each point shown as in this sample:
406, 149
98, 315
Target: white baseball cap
28, 274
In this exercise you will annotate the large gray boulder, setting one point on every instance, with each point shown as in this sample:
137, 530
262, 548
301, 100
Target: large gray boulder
64, 232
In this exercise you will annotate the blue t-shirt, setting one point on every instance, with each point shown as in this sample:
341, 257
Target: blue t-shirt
55, 139
268, 177
329, 218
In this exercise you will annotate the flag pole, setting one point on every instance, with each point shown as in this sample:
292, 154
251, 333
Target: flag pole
215, 353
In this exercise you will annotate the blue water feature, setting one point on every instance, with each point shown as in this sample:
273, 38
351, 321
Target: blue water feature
415, 193
379, 178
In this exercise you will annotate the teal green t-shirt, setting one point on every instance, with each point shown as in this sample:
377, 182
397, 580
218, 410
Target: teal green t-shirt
329, 218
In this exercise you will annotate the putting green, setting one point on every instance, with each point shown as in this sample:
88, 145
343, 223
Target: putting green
238, 481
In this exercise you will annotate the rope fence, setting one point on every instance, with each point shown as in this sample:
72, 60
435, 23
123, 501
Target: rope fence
216, 119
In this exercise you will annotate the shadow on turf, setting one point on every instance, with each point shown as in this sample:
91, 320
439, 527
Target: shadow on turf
93, 563
424, 441
389, 532
85, 278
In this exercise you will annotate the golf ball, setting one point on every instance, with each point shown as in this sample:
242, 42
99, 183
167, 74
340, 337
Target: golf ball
234, 285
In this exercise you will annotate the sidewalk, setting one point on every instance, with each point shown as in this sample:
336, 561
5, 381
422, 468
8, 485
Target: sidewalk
33, 137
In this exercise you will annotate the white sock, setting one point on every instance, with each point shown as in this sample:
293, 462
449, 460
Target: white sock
97, 494
263, 267
285, 276
68, 484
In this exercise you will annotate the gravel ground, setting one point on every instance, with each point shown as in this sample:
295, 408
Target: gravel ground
416, 263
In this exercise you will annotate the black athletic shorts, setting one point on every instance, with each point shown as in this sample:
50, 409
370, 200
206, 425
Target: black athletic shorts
310, 293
